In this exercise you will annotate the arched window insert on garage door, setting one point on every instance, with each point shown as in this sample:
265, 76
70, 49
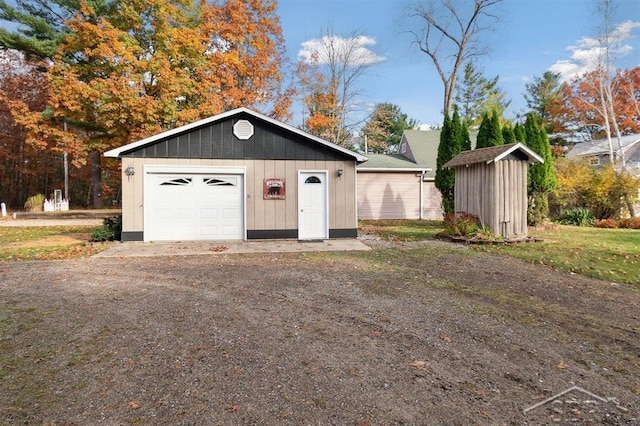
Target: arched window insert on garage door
313, 179
217, 182
177, 182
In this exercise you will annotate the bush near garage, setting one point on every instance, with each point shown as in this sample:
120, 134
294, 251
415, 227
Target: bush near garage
110, 230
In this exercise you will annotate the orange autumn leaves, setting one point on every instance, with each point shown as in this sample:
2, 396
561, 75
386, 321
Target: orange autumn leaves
151, 65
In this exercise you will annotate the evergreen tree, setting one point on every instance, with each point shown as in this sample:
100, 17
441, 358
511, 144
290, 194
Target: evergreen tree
489, 133
477, 94
448, 148
541, 178
385, 127
466, 139
496, 133
482, 140
41, 24
508, 134
518, 131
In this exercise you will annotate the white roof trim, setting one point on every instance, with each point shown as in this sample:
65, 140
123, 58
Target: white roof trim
519, 146
182, 129
393, 169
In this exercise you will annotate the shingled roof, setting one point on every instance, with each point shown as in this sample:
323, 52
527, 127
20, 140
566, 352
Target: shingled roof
494, 153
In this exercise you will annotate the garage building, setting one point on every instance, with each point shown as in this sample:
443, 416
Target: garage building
237, 175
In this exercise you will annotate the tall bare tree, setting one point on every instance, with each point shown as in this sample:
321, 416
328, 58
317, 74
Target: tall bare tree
449, 34
329, 70
605, 73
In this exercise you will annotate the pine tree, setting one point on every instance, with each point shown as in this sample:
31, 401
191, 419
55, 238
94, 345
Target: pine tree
448, 148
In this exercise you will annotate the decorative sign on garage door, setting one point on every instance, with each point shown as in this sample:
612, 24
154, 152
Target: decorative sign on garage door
274, 189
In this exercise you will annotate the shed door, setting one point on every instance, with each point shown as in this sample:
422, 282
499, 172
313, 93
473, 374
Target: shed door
184, 206
312, 205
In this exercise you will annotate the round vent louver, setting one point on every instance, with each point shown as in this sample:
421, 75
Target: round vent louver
243, 129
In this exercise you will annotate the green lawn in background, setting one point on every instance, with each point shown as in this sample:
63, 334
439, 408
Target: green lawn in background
607, 254
28, 243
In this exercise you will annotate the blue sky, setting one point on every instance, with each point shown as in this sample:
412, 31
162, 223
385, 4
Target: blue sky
533, 36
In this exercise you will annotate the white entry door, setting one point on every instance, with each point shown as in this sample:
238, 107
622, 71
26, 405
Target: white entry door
312, 205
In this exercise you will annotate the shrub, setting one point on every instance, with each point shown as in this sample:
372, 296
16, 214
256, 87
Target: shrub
110, 230
606, 223
578, 216
461, 224
604, 190
35, 203
630, 223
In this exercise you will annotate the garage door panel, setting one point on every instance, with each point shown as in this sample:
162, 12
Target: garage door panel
388, 196
194, 207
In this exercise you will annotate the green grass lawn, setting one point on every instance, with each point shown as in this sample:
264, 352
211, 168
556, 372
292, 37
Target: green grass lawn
47, 242
608, 254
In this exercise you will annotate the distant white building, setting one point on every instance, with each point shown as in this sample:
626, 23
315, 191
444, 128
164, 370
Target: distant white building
597, 152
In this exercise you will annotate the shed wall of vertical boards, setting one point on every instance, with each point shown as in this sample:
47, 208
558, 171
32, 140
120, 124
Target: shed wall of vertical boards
496, 193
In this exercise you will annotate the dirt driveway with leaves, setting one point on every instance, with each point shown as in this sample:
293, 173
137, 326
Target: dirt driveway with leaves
433, 334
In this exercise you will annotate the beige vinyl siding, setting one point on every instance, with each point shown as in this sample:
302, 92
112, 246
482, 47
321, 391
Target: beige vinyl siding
260, 214
392, 195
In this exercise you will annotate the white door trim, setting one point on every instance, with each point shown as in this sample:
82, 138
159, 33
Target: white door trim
325, 173
157, 169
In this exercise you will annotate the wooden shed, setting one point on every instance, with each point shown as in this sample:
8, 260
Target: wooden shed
491, 183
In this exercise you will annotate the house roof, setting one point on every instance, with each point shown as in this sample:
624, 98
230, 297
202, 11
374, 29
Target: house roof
492, 154
118, 152
421, 154
601, 146
422, 147
390, 162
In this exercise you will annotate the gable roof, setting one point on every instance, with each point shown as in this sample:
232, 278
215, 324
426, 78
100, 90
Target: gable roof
118, 152
420, 153
390, 162
601, 146
493, 154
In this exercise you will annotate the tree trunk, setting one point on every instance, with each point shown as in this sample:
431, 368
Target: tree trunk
96, 179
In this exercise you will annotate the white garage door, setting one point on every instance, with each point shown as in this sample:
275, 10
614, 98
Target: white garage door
184, 206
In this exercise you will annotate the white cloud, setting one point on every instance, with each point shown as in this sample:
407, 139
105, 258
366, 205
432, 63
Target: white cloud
586, 55
354, 50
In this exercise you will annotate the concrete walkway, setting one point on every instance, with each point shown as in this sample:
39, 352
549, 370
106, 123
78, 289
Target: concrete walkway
189, 248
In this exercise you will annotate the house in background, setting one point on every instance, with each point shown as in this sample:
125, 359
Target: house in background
402, 185
237, 175
597, 152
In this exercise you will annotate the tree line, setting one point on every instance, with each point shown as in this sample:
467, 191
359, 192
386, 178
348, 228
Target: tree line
82, 77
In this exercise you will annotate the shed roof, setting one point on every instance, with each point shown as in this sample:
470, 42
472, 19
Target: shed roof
117, 152
492, 154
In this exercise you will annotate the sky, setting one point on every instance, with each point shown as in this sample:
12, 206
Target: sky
533, 36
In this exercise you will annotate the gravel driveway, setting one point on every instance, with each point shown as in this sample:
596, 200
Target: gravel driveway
427, 335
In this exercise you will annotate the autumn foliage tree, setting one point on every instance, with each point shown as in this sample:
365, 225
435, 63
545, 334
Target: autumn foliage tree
385, 127
26, 168
152, 65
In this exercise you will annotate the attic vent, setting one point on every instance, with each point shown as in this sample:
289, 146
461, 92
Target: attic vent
243, 129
